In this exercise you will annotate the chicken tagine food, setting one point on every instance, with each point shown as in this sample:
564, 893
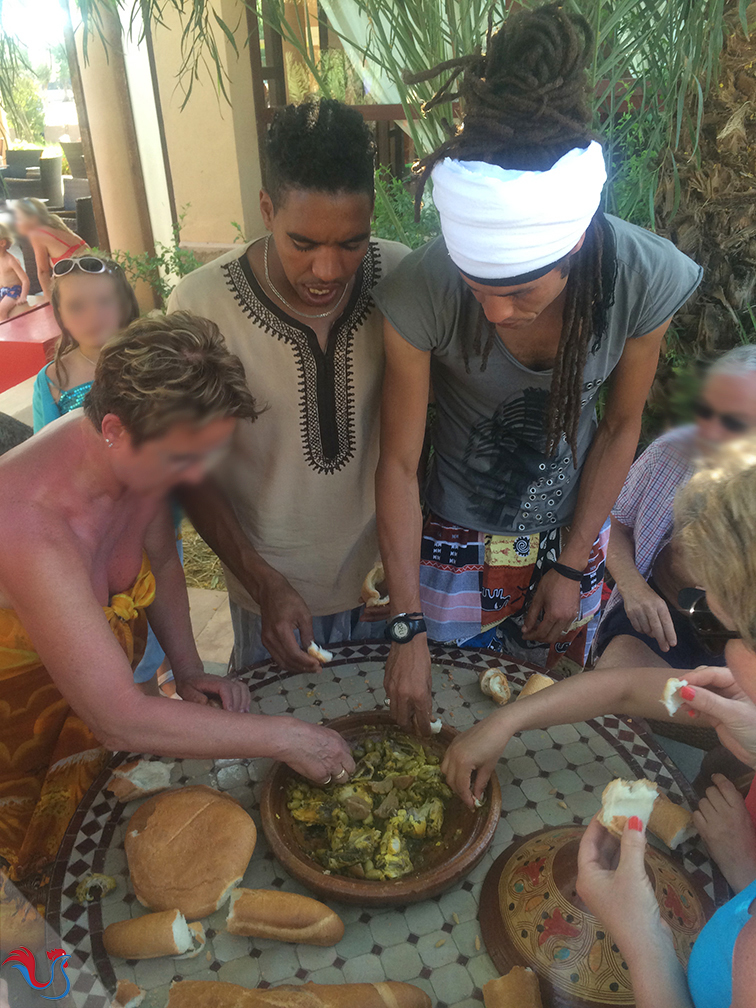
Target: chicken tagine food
375, 825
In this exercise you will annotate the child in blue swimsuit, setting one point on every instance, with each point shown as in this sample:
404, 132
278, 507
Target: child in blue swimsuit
92, 301
14, 283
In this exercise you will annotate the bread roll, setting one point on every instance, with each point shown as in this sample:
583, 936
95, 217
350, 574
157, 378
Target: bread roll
535, 683
139, 779
217, 994
517, 989
154, 935
288, 917
671, 696
494, 683
127, 995
622, 799
370, 592
188, 849
670, 822
320, 653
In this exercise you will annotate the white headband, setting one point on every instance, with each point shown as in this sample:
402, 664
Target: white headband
499, 223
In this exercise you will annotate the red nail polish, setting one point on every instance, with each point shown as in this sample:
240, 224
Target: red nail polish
635, 823
687, 693
692, 713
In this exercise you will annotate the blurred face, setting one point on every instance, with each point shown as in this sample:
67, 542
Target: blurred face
726, 409
90, 307
320, 240
184, 455
24, 221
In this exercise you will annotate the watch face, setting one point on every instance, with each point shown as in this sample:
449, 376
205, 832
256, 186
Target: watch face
400, 631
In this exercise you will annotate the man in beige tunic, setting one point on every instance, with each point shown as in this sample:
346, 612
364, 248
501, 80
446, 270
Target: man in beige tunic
291, 512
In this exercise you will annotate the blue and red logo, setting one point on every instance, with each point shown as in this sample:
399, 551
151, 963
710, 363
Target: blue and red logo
23, 960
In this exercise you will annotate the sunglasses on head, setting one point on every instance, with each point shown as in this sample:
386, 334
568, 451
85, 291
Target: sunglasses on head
87, 264
730, 423
702, 619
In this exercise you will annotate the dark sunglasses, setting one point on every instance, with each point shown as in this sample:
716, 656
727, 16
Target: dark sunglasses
702, 619
730, 423
87, 264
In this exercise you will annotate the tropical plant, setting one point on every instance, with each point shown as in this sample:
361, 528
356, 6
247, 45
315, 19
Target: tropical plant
394, 216
161, 270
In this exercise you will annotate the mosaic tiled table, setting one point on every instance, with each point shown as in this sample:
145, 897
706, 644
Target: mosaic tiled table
547, 778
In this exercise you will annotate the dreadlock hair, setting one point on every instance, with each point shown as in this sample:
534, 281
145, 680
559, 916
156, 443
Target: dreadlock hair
322, 145
525, 106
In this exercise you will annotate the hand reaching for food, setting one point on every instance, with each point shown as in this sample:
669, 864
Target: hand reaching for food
313, 751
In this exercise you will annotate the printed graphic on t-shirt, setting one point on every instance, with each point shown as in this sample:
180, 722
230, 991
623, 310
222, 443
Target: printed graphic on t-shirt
504, 456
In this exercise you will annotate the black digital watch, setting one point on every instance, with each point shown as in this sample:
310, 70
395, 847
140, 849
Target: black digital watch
404, 627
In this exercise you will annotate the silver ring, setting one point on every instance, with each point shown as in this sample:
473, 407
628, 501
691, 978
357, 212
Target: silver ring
342, 774
326, 781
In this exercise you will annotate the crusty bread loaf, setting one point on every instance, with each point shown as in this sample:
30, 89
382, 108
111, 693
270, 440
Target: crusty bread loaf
127, 995
622, 799
153, 935
494, 683
536, 682
288, 917
188, 850
671, 696
139, 779
217, 994
517, 989
371, 594
671, 822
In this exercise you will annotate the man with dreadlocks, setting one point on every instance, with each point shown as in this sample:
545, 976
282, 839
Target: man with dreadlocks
517, 317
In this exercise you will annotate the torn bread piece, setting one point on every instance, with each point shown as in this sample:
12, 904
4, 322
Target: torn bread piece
371, 588
128, 995
622, 799
323, 656
221, 994
516, 989
494, 683
671, 822
154, 935
536, 682
671, 696
139, 779
283, 916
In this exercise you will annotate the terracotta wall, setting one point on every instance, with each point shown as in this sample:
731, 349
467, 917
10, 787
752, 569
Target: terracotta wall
212, 146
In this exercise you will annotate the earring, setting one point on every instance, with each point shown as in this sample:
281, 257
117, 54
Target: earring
108, 442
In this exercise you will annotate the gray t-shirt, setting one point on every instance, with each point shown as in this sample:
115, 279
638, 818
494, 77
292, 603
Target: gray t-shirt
490, 471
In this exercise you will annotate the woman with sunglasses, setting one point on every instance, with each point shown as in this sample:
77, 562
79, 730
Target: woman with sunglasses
644, 623
716, 523
91, 300
51, 238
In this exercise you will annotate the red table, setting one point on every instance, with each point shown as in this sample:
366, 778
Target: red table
26, 344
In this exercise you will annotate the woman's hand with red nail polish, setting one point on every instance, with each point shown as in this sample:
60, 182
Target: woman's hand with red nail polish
613, 883
688, 693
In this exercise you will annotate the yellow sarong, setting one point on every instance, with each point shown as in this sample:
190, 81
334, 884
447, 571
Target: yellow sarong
48, 756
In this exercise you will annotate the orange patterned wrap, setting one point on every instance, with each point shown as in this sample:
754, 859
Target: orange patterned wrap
48, 756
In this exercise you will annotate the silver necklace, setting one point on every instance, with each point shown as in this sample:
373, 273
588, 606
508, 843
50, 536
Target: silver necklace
283, 300
87, 359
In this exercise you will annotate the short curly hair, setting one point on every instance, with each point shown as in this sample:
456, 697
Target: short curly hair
168, 369
320, 144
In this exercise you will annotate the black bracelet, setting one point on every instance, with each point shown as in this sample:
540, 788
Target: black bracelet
568, 572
